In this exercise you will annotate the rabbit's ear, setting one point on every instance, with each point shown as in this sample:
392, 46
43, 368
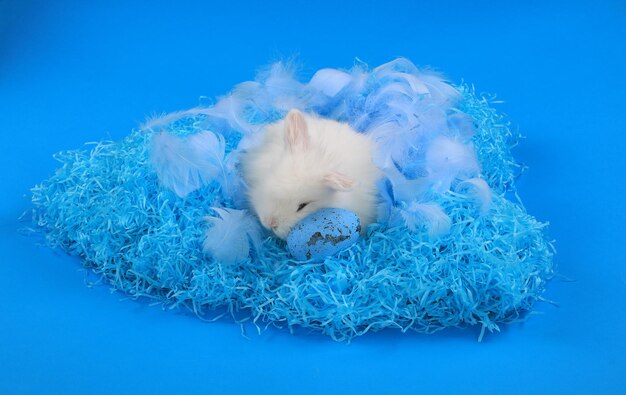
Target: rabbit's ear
338, 181
296, 131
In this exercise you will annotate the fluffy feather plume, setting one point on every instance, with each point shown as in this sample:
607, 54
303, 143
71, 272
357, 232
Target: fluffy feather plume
184, 164
461, 125
230, 235
330, 81
429, 215
429, 83
479, 190
156, 122
448, 160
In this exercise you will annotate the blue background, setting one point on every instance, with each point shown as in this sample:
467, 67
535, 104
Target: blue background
78, 71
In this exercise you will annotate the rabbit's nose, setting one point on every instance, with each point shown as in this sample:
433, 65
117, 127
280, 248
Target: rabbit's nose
273, 223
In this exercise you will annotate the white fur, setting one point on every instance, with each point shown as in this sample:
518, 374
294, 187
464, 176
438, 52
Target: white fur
305, 159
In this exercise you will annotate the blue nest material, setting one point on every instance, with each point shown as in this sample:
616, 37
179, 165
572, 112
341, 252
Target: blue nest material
489, 264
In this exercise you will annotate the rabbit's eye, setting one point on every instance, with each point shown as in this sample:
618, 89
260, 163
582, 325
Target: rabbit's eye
302, 205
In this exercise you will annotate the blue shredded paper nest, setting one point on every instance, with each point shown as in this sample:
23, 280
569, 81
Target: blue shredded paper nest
107, 206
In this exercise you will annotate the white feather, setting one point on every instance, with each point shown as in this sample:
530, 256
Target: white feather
233, 184
230, 109
284, 91
184, 164
404, 189
441, 93
330, 81
461, 125
159, 121
479, 190
421, 82
230, 235
428, 214
448, 160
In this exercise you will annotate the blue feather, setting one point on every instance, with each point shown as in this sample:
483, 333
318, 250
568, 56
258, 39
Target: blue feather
230, 235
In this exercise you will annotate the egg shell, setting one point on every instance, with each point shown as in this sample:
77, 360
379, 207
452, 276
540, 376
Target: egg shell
323, 233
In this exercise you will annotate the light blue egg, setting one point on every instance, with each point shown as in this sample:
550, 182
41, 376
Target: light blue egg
323, 233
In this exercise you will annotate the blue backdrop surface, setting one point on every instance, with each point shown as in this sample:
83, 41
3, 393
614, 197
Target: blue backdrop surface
78, 71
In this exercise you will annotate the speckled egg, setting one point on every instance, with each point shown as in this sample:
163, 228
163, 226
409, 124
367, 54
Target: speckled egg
323, 233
